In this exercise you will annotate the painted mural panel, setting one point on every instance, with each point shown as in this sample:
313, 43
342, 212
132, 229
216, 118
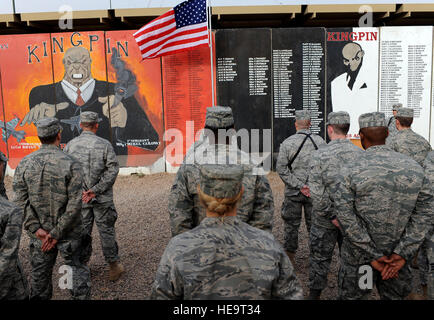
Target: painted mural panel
187, 93
25, 64
138, 86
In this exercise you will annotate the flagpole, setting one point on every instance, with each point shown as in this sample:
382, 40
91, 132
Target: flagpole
208, 8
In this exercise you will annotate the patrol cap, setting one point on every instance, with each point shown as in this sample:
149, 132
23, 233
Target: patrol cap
340, 117
221, 181
48, 127
372, 119
396, 106
3, 157
405, 113
302, 115
219, 117
89, 117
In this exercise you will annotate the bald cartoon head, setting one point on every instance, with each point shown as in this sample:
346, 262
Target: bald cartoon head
352, 54
77, 63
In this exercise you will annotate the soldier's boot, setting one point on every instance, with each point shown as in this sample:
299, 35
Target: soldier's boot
116, 270
415, 296
414, 263
291, 256
425, 292
314, 294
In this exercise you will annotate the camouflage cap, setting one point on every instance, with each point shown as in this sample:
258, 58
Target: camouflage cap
405, 113
396, 106
89, 117
219, 117
302, 115
3, 157
340, 117
48, 127
372, 119
221, 181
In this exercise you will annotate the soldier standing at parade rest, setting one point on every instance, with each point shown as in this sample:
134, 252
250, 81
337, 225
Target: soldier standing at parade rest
326, 163
410, 143
13, 283
384, 209
407, 141
224, 258
48, 187
429, 174
100, 168
256, 206
293, 168
3, 164
391, 123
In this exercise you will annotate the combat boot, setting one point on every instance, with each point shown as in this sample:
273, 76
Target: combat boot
425, 292
314, 294
116, 270
291, 256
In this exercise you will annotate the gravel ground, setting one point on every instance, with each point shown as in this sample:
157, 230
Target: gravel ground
143, 232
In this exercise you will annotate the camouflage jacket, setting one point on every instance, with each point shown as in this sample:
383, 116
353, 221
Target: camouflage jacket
296, 178
186, 212
411, 144
48, 187
225, 259
98, 161
326, 165
392, 128
11, 222
2, 180
383, 205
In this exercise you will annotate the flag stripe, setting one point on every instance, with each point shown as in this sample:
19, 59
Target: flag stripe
180, 48
163, 18
177, 33
166, 26
176, 41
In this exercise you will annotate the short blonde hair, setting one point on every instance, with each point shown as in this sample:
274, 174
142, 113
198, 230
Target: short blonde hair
218, 205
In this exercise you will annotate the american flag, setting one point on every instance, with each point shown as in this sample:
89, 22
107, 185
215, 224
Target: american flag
182, 28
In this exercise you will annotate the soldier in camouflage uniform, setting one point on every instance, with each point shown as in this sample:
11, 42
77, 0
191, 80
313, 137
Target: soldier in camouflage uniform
100, 168
325, 167
13, 283
3, 164
384, 208
295, 176
48, 187
429, 173
391, 123
224, 258
256, 206
408, 142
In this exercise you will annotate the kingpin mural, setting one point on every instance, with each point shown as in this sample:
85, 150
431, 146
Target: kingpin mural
79, 91
65, 74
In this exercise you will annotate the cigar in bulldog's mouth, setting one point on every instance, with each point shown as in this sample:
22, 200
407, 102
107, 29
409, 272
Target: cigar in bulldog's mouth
77, 76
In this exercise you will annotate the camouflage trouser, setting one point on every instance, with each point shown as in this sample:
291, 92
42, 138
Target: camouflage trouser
14, 287
392, 289
422, 261
105, 217
430, 246
42, 270
292, 208
322, 243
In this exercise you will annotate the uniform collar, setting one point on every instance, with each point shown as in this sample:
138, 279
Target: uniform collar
49, 146
381, 147
87, 132
210, 221
338, 141
304, 131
